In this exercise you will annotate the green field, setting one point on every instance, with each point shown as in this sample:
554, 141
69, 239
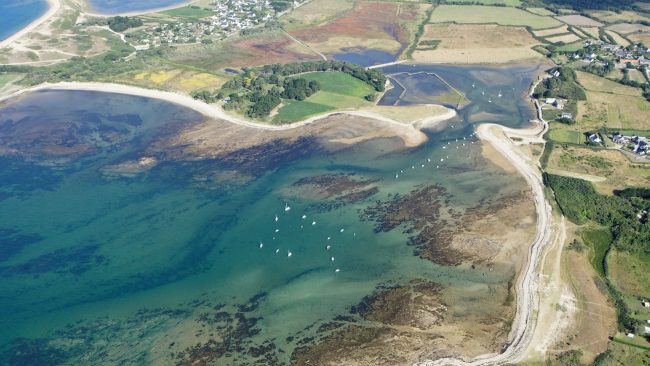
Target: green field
339, 83
628, 272
479, 14
567, 136
338, 91
620, 353
189, 12
570, 47
295, 111
599, 241
6, 78
628, 132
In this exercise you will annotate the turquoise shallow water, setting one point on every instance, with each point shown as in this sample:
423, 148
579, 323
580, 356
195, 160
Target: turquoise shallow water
129, 259
16, 14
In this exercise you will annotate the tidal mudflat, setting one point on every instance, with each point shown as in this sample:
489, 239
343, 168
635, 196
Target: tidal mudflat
138, 231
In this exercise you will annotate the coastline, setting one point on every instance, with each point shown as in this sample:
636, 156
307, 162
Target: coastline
53, 7
527, 302
526, 286
88, 10
413, 135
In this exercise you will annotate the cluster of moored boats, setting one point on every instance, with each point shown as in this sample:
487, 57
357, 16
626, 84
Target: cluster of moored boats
328, 247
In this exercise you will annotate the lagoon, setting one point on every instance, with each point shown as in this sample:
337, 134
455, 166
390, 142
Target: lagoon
365, 57
112, 261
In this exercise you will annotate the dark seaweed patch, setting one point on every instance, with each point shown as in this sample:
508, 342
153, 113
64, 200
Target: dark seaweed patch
13, 242
18, 177
418, 214
34, 352
77, 260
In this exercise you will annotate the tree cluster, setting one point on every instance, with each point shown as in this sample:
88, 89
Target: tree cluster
562, 86
580, 203
256, 91
281, 5
299, 89
120, 24
579, 5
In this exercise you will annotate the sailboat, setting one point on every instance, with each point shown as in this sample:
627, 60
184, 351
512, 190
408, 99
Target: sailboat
286, 207
500, 94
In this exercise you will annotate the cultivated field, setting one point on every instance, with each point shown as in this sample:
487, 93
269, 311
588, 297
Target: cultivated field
477, 43
567, 38
380, 25
593, 82
551, 31
570, 47
615, 111
610, 104
491, 14
625, 28
591, 31
623, 16
639, 37
540, 11
579, 21
316, 12
617, 38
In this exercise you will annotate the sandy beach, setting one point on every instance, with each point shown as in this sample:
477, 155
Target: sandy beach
411, 132
53, 7
90, 12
